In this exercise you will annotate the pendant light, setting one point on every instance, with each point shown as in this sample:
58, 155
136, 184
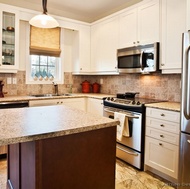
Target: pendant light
44, 20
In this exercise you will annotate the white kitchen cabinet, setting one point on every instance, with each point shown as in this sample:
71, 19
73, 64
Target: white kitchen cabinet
104, 43
188, 16
162, 141
81, 50
78, 103
140, 24
95, 106
173, 25
9, 34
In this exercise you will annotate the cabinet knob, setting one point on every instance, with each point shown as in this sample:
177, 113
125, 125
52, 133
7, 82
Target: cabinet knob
57, 102
162, 136
162, 64
133, 42
162, 115
160, 144
138, 41
80, 68
61, 102
162, 125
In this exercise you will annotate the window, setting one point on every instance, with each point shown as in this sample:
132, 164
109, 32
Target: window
44, 67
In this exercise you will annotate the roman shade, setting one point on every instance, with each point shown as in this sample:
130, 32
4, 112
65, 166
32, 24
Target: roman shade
45, 41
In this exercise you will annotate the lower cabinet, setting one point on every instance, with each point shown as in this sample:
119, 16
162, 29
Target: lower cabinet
78, 103
95, 106
162, 142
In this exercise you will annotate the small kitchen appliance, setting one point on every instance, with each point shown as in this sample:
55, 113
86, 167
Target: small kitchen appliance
130, 149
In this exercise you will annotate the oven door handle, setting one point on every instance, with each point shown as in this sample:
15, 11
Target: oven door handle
127, 115
131, 153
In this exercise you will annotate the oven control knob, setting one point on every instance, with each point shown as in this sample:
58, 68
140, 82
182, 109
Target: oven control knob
133, 102
108, 98
138, 103
112, 99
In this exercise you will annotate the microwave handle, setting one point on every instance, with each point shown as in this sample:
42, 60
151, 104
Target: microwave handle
141, 60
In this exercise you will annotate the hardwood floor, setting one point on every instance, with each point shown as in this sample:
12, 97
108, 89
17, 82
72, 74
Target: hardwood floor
126, 177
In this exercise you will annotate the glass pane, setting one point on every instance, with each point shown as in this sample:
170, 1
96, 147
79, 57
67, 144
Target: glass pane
8, 38
43, 60
35, 59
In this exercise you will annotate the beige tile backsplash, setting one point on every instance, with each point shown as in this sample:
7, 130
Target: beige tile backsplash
157, 86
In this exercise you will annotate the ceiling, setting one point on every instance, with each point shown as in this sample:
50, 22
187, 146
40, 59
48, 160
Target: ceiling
83, 10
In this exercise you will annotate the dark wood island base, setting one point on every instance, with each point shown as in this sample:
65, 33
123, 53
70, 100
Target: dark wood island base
84, 160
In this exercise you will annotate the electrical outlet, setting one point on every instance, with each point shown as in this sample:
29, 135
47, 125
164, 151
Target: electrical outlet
14, 80
9, 80
101, 81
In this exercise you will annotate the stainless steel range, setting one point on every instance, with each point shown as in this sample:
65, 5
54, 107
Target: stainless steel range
131, 148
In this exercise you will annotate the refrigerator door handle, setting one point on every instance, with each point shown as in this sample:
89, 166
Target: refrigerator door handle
186, 100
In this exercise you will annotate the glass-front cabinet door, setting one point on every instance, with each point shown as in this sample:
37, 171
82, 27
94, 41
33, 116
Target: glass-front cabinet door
10, 40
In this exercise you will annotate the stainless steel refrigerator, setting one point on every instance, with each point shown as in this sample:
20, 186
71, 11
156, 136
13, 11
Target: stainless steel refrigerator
184, 164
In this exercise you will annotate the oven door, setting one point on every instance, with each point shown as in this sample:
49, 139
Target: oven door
135, 120
129, 148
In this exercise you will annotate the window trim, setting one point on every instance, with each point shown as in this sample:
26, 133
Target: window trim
28, 62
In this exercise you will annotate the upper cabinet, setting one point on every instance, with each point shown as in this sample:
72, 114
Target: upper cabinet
81, 56
173, 25
104, 44
140, 24
9, 33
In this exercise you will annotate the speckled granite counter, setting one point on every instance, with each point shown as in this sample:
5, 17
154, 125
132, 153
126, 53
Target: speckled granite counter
73, 95
29, 124
174, 106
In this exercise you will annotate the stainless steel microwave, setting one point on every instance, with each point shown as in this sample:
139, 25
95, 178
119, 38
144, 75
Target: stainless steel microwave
138, 59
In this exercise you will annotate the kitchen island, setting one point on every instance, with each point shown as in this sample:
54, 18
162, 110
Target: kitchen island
58, 147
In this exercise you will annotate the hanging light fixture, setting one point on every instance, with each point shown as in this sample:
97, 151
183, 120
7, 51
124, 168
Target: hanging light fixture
44, 20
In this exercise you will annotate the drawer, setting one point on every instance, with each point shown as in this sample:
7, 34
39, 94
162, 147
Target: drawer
163, 114
163, 136
163, 125
162, 156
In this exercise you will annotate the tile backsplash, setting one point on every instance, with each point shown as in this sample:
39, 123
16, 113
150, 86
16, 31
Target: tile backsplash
156, 86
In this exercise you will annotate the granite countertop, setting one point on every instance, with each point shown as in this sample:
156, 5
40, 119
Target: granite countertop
173, 106
34, 123
72, 95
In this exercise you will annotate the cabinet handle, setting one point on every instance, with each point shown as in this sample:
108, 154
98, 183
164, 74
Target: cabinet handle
160, 144
162, 125
162, 115
162, 64
133, 42
61, 102
80, 68
138, 41
162, 136
57, 102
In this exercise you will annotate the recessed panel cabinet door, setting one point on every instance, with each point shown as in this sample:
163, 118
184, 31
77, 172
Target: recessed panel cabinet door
128, 28
148, 22
104, 44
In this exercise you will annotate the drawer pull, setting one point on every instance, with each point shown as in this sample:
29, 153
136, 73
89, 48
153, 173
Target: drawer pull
162, 136
162, 125
160, 144
162, 115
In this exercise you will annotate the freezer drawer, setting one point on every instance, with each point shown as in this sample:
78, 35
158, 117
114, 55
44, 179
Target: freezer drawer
184, 175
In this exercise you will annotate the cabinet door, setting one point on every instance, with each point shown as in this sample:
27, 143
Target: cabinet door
9, 34
128, 28
34, 103
81, 50
173, 25
162, 156
149, 22
104, 46
95, 106
77, 103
